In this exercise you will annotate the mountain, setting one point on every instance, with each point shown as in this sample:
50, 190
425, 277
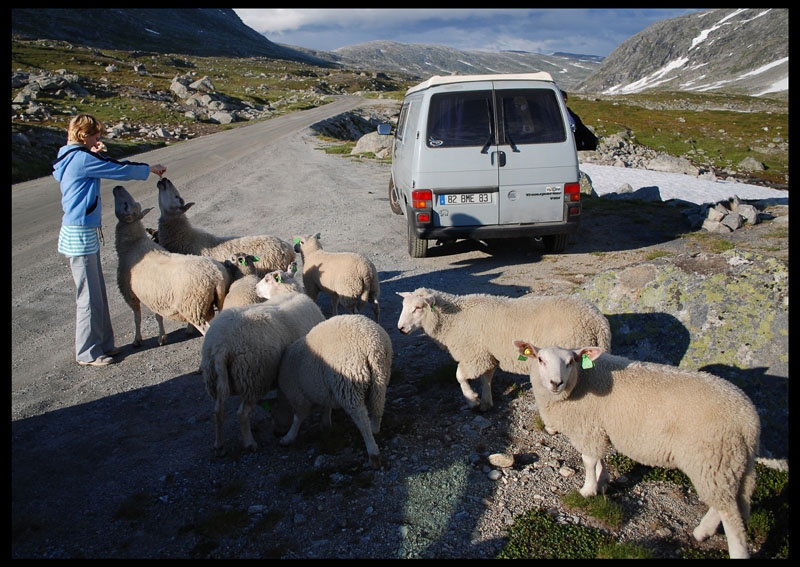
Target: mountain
423, 60
737, 51
204, 32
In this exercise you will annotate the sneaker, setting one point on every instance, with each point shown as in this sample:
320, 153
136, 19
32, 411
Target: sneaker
114, 351
101, 360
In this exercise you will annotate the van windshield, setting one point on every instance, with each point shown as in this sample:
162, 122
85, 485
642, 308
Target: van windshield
464, 119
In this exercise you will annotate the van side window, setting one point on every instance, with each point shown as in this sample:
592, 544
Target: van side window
402, 121
531, 116
460, 119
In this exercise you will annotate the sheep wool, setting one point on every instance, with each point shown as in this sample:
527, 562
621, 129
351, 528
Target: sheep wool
175, 286
242, 351
657, 415
348, 277
344, 362
476, 329
176, 234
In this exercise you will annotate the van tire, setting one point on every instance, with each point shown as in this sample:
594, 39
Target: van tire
417, 247
394, 202
555, 242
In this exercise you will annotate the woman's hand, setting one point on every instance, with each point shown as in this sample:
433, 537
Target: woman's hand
158, 169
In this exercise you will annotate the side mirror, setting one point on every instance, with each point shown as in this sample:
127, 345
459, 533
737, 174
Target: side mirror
384, 129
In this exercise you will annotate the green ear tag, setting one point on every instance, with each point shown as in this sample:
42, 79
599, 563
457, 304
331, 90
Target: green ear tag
522, 357
586, 362
296, 240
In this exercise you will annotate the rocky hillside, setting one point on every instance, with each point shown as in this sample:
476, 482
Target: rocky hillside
737, 51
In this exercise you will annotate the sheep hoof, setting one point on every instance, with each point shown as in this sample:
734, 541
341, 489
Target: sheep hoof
550, 430
587, 493
375, 461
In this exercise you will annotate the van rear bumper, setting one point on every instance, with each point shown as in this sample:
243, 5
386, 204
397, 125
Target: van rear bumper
497, 231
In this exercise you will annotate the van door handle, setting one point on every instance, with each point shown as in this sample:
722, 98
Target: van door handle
501, 158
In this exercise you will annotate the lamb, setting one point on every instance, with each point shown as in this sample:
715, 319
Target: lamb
343, 362
476, 329
242, 291
176, 286
657, 415
279, 281
242, 351
347, 276
176, 234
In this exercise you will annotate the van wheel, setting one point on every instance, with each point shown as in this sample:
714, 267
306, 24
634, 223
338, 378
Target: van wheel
394, 201
417, 248
555, 242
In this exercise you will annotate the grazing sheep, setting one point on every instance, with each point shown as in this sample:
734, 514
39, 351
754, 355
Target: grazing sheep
242, 351
657, 415
476, 329
348, 277
176, 234
175, 286
344, 362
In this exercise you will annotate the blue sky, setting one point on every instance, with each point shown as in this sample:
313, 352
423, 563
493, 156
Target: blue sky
572, 30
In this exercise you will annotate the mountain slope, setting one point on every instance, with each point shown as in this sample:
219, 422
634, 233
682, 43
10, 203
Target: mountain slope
199, 31
737, 51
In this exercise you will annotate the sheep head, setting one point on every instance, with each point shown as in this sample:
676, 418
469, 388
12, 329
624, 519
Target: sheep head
306, 244
126, 208
416, 306
556, 369
169, 200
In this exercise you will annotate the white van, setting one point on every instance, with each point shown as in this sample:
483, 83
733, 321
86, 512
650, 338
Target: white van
485, 157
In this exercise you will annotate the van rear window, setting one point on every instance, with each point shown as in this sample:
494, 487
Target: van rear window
460, 119
464, 119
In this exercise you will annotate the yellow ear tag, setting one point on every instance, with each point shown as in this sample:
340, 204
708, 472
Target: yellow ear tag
527, 351
586, 362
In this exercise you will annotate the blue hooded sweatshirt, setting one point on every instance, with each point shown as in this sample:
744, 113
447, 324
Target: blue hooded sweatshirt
80, 173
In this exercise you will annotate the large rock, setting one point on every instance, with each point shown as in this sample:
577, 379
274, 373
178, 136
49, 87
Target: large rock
726, 313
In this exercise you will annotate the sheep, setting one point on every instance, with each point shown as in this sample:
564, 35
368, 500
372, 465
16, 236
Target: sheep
242, 351
343, 362
476, 329
279, 281
176, 234
347, 276
176, 286
657, 415
243, 288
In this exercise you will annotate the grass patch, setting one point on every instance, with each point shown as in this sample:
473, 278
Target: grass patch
658, 254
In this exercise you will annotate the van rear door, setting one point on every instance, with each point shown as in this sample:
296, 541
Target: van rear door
458, 160
538, 153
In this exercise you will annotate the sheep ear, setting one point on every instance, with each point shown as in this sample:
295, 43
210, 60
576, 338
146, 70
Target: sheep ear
145, 211
525, 349
187, 206
403, 293
591, 352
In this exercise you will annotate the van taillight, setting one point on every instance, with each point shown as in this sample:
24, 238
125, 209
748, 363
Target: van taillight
572, 192
421, 199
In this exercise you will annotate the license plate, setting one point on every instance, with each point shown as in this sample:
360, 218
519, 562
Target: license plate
466, 199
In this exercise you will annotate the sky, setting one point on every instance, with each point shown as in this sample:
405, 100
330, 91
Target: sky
572, 30
608, 179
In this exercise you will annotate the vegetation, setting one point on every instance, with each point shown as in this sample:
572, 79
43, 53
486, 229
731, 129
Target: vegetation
681, 124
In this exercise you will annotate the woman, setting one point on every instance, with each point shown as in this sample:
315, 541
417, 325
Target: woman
79, 168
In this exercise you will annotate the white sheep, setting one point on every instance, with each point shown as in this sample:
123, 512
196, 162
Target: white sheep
176, 234
242, 351
476, 330
348, 277
242, 290
279, 281
657, 415
176, 286
343, 362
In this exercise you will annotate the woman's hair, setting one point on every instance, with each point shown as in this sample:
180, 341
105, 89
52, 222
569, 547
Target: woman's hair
82, 126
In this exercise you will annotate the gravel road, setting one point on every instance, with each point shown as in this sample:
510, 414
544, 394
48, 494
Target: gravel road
118, 462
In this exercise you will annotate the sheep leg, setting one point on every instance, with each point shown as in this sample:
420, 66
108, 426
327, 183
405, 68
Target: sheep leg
466, 389
335, 303
219, 419
137, 324
735, 533
708, 525
486, 390
327, 421
596, 475
162, 334
360, 417
376, 310
203, 327
243, 413
289, 438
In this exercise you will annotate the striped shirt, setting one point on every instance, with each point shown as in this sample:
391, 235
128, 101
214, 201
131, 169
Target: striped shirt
78, 240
